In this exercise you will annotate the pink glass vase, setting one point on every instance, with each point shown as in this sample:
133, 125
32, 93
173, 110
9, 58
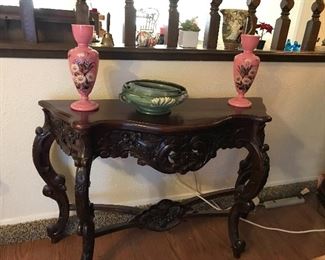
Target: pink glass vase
83, 62
244, 70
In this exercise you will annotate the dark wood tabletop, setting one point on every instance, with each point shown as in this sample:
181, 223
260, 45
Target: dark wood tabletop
198, 113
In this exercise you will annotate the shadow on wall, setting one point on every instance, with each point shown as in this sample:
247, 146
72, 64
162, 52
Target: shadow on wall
4, 188
115, 77
134, 182
112, 176
63, 165
221, 172
322, 162
124, 174
284, 148
284, 145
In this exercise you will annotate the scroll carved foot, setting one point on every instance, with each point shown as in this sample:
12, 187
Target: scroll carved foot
240, 209
55, 187
238, 247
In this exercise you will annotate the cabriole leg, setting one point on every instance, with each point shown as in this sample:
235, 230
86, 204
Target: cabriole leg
85, 210
55, 183
252, 177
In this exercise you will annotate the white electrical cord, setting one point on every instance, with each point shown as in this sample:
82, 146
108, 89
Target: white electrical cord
199, 195
283, 230
218, 208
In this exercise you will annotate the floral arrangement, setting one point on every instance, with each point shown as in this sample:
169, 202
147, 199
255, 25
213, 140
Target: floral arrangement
263, 28
190, 25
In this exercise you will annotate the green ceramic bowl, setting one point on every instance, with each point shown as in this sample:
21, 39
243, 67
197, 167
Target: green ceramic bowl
153, 97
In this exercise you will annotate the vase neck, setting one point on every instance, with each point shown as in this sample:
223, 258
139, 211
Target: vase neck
83, 45
84, 97
249, 42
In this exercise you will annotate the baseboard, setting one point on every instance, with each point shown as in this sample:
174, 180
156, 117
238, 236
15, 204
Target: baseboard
25, 219
286, 190
33, 230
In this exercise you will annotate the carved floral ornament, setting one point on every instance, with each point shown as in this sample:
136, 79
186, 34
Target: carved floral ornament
168, 154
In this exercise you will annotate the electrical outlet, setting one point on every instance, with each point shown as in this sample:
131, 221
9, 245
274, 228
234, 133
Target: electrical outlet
256, 201
304, 191
283, 202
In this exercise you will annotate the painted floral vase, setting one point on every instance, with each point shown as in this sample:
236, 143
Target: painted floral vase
245, 68
233, 25
83, 62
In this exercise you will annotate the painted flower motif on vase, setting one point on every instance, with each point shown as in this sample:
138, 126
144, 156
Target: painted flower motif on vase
82, 75
245, 76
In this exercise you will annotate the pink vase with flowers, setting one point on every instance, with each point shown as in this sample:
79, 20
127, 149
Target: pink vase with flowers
244, 70
83, 62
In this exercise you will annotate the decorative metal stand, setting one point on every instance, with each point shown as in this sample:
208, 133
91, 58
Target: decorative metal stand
166, 144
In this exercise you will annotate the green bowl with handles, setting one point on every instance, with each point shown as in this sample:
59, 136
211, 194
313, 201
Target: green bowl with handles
153, 97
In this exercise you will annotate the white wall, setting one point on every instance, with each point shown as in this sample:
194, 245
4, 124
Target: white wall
294, 94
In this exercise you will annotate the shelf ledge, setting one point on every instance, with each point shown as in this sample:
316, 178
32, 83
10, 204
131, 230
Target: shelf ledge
59, 51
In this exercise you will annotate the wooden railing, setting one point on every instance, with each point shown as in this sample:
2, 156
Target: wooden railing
130, 26
212, 29
280, 34
312, 27
282, 25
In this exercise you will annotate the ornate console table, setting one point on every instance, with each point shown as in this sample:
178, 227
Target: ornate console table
180, 142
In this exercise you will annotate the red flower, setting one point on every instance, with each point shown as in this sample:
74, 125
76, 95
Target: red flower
264, 28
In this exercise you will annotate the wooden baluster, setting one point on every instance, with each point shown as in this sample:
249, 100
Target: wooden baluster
82, 12
282, 25
27, 18
312, 27
130, 26
212, 27
252, 19
94, 17
173, 22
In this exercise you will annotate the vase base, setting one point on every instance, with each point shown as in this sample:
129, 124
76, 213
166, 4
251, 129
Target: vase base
84, 105
239, 102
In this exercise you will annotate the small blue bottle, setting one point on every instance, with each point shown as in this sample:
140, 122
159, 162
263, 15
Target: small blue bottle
296, 46
288, 46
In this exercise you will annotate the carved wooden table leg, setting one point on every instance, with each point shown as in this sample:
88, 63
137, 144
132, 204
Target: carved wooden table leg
85, 210
55, 184
253, 173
